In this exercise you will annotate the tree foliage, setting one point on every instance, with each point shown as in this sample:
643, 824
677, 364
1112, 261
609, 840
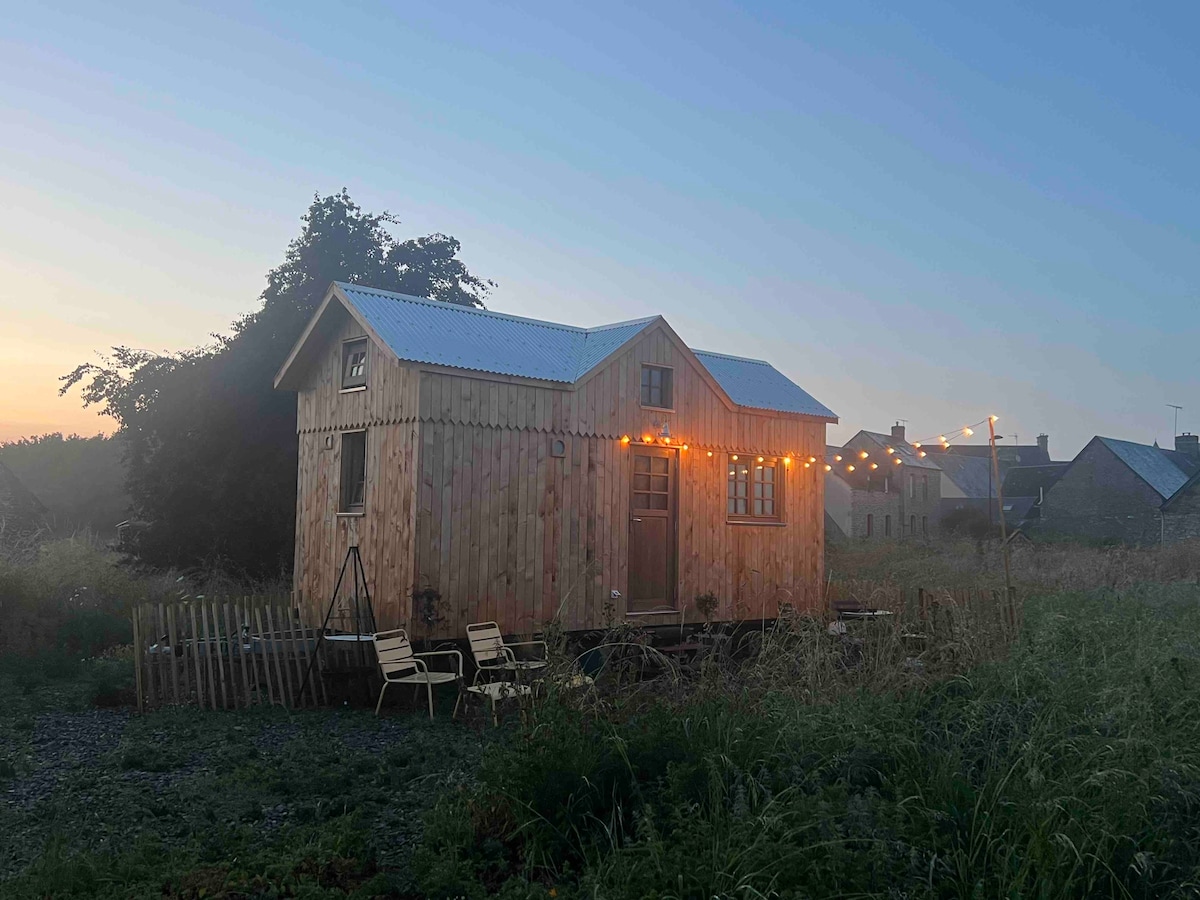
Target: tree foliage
211, 446
80, 480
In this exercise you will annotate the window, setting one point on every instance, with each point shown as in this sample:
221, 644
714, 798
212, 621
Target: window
870, 524
912, 525
925, 526
924, 487
656, 387
912, 486
354, 472
354, 365
887, 526
753, 489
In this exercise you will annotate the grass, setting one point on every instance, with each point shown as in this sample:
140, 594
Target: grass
1070, 768
185, 803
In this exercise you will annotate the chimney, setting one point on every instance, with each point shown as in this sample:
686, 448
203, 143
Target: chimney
1044, 444
898, 433
1188, 443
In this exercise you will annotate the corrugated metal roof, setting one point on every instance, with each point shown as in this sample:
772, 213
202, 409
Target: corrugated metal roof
437, 333
758, 384
1150, 463
444, 334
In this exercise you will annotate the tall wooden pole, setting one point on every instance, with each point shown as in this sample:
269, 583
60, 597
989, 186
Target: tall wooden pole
1008, 588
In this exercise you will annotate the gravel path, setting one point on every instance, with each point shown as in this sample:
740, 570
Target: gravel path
64, 743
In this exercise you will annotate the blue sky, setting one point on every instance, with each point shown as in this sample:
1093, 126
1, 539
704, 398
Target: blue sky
933, 214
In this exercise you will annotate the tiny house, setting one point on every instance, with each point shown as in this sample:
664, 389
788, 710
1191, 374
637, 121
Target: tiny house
522, 471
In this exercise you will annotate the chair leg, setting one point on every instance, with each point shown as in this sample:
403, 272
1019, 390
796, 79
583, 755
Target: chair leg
429, 690
495, 717
457, 701
380, 703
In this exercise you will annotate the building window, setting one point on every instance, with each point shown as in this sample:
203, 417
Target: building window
870, 524
912, 525
924, 487
354, 364
753, 490
925, 526
887, 526
656, 387
354, 472
912, 486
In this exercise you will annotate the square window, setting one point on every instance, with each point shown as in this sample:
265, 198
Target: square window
752, 490
354, 472
354, 364
656, 387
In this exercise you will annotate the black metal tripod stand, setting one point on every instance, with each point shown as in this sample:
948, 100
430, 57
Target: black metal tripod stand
362, 613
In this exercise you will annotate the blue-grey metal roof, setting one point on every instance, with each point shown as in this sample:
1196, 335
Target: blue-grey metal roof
758, 384
1150, 463
444, 334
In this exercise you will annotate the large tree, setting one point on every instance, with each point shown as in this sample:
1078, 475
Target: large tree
211, 446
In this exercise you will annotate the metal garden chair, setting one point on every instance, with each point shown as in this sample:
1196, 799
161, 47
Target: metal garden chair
400, 665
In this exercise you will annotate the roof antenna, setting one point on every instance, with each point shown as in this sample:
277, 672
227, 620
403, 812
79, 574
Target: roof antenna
1177, 409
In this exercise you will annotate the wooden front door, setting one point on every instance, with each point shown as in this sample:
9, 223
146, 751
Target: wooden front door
652, 530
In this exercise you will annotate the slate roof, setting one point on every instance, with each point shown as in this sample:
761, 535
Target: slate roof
1027, 481
903, 449
969, 473
1164, 470
1008, 454
445, 334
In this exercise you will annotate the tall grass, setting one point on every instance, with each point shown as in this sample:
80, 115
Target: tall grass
1067, 767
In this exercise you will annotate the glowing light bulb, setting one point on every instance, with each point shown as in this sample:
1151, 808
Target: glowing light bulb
760, 459
891, 450
812, 459
994, 419
710, 454
646, 439
921, 454
898, 460
849, 468
625, 439
684, 447
968, 432
863, 455
942, 438
917, 445
837, 458
806, 465
874, 465
828, 468
734, 457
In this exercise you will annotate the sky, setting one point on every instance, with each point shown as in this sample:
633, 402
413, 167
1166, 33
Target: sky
926, 211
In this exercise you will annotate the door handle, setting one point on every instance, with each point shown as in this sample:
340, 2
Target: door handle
637, 518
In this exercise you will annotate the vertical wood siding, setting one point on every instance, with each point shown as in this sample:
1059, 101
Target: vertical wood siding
465, 497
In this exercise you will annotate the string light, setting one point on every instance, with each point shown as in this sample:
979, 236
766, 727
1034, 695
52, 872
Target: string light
828, 467
849, 468
710, 454
891, 450
837, 458
898, 460
734, 457
968, 432
874, 465
812, 459
625, 439
684, 447
806, 465
760, 459
922, 454
646, 439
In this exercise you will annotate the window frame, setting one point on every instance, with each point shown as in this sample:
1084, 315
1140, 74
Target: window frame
667, 387
778, 491
870, 525
350, 346
887, 526
345, 508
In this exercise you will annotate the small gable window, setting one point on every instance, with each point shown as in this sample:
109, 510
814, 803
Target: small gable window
656, 387
354, 365
354, 473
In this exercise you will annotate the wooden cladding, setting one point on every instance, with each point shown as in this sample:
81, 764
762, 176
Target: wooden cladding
511, 500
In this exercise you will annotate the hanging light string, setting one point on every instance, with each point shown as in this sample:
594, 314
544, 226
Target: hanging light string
945, 437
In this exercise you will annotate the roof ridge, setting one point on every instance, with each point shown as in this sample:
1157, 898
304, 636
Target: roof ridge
749, 359
644, 320
458, 307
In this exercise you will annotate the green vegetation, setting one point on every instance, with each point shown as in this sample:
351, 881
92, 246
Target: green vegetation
190, 804
1071, 768
80, 480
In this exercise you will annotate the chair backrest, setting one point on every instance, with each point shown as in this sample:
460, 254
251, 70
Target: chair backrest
395, 652
486, 643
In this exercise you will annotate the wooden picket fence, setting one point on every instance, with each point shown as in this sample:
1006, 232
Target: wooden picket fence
224, 653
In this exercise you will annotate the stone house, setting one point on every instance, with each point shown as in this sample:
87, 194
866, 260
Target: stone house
1025, 490
879, 487
1124, 491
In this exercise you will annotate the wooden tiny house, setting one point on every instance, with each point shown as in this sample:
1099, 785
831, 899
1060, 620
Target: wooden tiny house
525, 470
